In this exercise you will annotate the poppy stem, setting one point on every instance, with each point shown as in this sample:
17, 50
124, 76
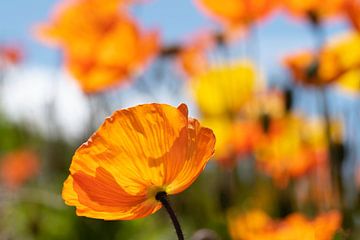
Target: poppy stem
162, 197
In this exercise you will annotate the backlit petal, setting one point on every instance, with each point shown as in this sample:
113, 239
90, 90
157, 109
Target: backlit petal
201, 143
135, 154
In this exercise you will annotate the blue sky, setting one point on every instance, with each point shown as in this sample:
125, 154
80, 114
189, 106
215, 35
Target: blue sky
176, 19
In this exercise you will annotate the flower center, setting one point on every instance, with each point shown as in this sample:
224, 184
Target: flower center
160, 195
154, 191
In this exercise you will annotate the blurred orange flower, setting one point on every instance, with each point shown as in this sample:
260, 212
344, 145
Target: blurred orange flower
290, 149
120, 54
234, 13
10, 55
314, 8
246, 134
192, 57
248, 225
310, 70
304, 68
257, 225
104, 47
137, 153
18, 167
351, 9
96, 18
336, 58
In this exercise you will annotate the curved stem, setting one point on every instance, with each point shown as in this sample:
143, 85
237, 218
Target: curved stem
162, 197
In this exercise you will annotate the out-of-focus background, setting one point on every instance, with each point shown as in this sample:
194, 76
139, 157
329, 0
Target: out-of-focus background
278, 82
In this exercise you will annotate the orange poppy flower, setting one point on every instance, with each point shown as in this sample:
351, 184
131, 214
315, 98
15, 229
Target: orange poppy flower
135, 154
313, 8
257, 225
18, 167
237, 12
108, 50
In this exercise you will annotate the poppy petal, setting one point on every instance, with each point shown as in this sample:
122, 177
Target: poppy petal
201, 143
101, 197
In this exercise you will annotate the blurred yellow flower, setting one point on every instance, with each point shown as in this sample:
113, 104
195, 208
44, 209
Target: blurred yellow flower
344, 51
222, 91
221, 94
350, 82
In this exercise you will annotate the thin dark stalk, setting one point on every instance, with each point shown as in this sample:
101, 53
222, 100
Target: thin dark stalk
317, 29
226, 188
335, 164
162, 197
326, 115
